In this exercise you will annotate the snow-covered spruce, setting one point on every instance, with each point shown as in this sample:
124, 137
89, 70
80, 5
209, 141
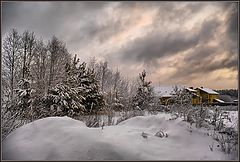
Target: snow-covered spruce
144, 96
78, 94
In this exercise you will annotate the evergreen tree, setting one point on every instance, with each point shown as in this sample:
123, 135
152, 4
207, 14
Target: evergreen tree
86, 79
94, 101
144, 97
77, 94
64, 100
24, 100
117, 103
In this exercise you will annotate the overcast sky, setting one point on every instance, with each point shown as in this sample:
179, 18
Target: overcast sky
184, 43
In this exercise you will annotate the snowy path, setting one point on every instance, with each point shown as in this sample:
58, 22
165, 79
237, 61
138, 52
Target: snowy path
62, 138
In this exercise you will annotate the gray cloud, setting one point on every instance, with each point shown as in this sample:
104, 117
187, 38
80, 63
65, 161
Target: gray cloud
102, 32
207, 64
157, 45
99, 32
48, 18
85, 24
232, 23
203, 60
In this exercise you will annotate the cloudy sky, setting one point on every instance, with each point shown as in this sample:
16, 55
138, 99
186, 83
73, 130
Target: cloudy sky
187, 43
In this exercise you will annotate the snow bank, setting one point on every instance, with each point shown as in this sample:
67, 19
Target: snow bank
60, 138
63, 138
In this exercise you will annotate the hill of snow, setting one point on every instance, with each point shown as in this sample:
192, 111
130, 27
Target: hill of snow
63, 138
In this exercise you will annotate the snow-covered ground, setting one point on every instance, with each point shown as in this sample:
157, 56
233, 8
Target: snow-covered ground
63, 138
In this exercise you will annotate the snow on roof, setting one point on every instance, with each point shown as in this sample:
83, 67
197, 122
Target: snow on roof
191, 90
218, 100
209, 91
165, 91
166, 95
194, 94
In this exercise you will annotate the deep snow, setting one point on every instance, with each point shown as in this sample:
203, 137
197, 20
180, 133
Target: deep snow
63, 138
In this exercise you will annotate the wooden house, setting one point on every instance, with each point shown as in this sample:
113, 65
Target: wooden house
164, 94
208, 96
196, 99
199, 95
166, 99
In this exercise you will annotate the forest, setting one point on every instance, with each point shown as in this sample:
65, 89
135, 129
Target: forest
42, 79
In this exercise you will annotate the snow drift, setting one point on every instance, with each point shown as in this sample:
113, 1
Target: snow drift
63, 138
59, 138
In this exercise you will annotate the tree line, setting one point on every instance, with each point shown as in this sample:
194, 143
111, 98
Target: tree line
230, 92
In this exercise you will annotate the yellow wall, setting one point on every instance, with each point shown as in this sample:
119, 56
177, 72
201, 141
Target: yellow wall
165, 100
207, 98
202, 97
212, 97
196, 101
